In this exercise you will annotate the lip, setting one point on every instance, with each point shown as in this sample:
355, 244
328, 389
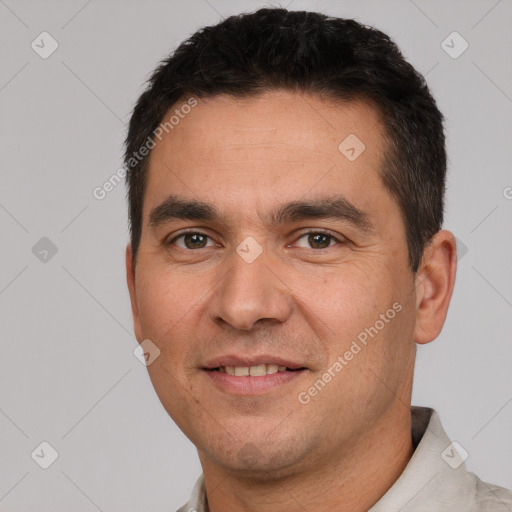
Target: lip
244, 360
249, 385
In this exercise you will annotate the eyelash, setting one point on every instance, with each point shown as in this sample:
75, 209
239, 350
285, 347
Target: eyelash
313, 231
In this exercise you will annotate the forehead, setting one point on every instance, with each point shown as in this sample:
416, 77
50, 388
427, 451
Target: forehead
291, 120
245, 153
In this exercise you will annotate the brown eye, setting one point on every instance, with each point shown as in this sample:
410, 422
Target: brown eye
191, 240
319, 239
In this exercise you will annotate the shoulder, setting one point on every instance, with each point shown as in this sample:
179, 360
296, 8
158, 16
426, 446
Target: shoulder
490, 497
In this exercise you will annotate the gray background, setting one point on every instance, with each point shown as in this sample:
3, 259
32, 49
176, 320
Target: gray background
68, 375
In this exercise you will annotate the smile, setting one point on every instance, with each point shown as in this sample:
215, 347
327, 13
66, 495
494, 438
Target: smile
253, 371
252, 380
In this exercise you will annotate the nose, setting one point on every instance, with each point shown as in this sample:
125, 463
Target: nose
250, 292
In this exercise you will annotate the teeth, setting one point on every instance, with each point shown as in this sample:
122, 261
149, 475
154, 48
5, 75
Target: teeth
257, 371
242, 371
254, 371
272, 368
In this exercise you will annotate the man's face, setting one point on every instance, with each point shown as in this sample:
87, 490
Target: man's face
244, 288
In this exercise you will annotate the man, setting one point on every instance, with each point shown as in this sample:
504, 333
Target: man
286, 182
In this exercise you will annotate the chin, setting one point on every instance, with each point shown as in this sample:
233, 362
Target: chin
259, 459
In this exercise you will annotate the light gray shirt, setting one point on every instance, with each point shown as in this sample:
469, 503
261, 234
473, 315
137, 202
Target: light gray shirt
434, 480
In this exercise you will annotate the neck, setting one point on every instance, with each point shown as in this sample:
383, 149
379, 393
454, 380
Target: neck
354, 476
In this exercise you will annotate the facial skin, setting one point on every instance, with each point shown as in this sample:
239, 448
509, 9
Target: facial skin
303, 300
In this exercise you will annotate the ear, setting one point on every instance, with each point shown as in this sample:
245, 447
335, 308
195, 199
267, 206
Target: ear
130, 278
435, 280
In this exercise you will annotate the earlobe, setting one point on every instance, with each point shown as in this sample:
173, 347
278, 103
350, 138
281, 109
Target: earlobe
435, 281
130, 278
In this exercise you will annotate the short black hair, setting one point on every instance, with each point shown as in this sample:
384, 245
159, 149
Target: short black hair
309, 52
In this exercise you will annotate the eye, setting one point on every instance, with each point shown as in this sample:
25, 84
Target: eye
319, 239
192, 240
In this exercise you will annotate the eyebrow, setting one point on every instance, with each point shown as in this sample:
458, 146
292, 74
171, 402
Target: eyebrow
331, 207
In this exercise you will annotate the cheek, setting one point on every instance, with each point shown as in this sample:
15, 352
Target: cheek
349, 298
164, 302
366, 317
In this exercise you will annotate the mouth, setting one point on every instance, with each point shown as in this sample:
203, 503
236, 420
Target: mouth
235, 376
259, 370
